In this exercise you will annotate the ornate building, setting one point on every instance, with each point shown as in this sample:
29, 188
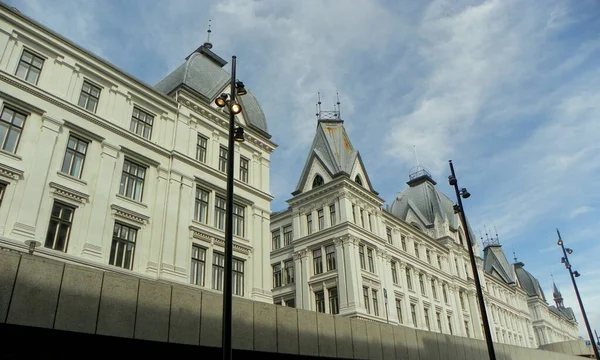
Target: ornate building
104, 170
336, 249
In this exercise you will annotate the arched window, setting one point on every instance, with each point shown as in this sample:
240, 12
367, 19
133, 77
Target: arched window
460, 237
318, 181
358, 180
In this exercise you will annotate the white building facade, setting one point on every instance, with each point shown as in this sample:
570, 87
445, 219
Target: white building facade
106, 171
337, 250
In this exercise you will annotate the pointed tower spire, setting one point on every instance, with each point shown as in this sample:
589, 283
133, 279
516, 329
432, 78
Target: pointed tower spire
558, 299
207, 44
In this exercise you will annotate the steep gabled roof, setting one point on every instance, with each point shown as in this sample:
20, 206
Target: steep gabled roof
494, 260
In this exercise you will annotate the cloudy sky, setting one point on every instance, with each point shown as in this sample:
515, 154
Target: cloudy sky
509, 90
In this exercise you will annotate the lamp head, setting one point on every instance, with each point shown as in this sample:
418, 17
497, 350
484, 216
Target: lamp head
569, 251
235, 108
221, 101
456, 208
238, 134
576, 273
464, 193
563, 260
559, 242
451, 180
240, 89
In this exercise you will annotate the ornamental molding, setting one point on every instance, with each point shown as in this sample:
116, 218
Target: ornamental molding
299, 255
10, 172
129, 214
68, 193
214, 240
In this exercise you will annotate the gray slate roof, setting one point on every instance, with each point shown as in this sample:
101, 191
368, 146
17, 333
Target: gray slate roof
203, 72
528, 282
565, 312
494, 260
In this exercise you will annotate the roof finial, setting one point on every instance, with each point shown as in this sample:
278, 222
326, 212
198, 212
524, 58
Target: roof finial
416, 155
207, 44
318, 104
339, 110
515, 256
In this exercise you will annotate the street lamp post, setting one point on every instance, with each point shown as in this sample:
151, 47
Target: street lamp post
235, 134
463, 193
574, 274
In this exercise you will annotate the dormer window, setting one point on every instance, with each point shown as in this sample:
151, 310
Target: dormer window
358, 180
318, 181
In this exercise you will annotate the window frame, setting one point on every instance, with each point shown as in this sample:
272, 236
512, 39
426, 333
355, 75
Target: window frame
276, 239
320, 301
89, 95
201, 205
223, 155
218, 270
59, 220
220, 210
334, 305
198, 265
30, 65
317, 261
75, 153
11, 126
287, 240
238, 277
239, 220
244, 170
127, 176
116, 240
201, 148
144, 120
330, 257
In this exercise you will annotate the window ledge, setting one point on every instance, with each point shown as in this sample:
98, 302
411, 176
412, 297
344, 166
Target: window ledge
11, 155
131, 201
72, 178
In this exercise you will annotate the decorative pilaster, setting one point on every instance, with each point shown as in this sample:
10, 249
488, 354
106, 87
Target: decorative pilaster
300, 268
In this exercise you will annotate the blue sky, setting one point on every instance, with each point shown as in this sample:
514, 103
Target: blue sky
507, 89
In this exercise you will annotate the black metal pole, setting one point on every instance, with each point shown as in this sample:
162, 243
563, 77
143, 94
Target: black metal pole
227, 286
585, 319
486, 324
597, 338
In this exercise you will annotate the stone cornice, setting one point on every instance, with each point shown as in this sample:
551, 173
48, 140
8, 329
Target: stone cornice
69, 193
129, 214
238, 246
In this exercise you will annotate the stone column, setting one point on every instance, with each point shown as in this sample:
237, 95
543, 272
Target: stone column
36, 185
103, 192
342, 275
353, 272
182, 241
172, 208
296, 223
326, 216
459, 312
158, 220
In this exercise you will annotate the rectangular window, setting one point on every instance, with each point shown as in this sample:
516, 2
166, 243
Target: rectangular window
409, 279
394, 272
11, 127
2, 191
290, 303
238, 220
413, 313
354, 213
277, 278
244, 168
366, 299
288, 267
201, 206
417, 250
462, 300
370, 223
201, 144
439, 321
317, 261
309, 223
220, 209
399, 310
362, 218
141, 123
132, 180
428, 255
198, 265
332, 214
467, 329
276, 239
422, 284
61, 220
320, 301
238, 277
375, 302
334, 307
223, 159
123, 246
218, 271
287, 235
388, 232
403, 242
426, 313
330, 257
74, 157
361, 255
321, 219
450, 325
30, 67
370, 258
89, 97
433, 289
439, 262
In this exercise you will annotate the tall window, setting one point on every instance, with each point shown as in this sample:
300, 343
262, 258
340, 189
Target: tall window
238, 277
132, 180
74, 157
388, 232
370, 258
238, 220
375, 302
450, 325
362, 218
218, 270
220, 209
426, 313
439, 261
370, 223
288, 267
123, 246
201, 206
276, 238
223, 159
428, 255
462, 300
366, 299
361, 255
354, 213
11, 127
277, 278
141, 123
287, 235
334, 307
201, 144
330, 257
90, 94
399, 310
244, 168
320, 301
30, 67
317, 261
290, 303
409, 279
439, 321
2, 191
61, 220
433, 289
332, 214
198, 265
403, 242
417, 250
413, 313
309, 223
321, 218
467, 329
422, 284
394, 272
